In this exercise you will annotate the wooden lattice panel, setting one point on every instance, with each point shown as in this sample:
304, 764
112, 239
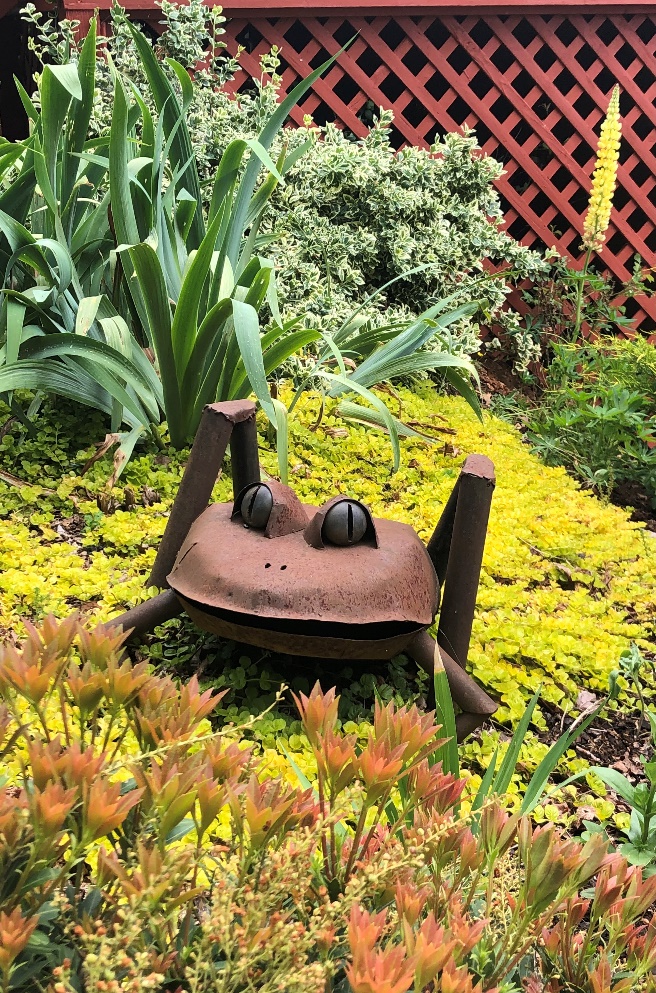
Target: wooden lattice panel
534, 88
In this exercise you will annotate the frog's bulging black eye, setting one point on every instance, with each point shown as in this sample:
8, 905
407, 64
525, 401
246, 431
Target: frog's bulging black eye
256, 506
345, 523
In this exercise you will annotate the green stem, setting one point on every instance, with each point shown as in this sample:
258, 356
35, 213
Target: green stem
647, 815
578, 313
156, 436
356, 841
324, 843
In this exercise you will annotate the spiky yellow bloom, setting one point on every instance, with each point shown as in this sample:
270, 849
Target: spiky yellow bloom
604, 177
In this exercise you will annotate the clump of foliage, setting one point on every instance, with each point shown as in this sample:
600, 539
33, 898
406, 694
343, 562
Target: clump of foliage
109, 251
598, 414
639, 848
352, 214
555, 297
141, 849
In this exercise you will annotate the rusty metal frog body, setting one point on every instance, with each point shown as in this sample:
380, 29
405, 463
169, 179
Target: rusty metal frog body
308, 582
323, 582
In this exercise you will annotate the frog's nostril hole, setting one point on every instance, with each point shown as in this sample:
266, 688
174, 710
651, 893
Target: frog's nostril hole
282, 567
268, 565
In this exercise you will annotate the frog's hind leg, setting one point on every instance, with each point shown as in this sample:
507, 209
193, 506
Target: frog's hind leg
473, 701
456, 551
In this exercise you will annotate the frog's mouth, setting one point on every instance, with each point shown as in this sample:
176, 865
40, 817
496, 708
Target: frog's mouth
365, 631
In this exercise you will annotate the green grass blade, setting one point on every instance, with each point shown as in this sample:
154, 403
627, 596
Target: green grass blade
351, 384
80, 114
617, 782
26, 100
186, 85
59, 85
52, 377
273, 358
97, 352
486, 783
466, 391
507, 768
86, 314
123, 453
541, 775
185, 321
181, 152
125, 224
205, 347
252, 171
447, 753
371, 418
226, 174
282, 440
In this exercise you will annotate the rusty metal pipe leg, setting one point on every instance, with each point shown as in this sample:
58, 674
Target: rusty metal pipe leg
473, 701
439, 545
244, 457
474, 498
146, 616
216, 426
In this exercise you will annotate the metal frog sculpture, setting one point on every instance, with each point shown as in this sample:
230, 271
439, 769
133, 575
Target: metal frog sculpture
324, 582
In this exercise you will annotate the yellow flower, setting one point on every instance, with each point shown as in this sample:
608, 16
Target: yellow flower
604, 177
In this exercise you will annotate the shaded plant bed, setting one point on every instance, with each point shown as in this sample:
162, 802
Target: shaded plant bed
637, 500
616, 739
591, 409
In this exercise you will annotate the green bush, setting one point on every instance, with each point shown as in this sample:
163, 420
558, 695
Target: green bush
598, 415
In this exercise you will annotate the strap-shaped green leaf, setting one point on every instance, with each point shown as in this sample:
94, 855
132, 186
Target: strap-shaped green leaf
182, 155
51, 377
149, 274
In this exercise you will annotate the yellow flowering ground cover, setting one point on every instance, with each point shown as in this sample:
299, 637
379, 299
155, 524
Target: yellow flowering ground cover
567, 582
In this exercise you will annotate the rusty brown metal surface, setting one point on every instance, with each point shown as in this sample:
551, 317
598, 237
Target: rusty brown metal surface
313, 532
288, 642
244, 456
472, 699
439, 545
475, 489
226, 566
144, 617
287, 513
207, 452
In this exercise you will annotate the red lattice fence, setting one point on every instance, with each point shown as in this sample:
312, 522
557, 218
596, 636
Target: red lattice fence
533, 80
534, 87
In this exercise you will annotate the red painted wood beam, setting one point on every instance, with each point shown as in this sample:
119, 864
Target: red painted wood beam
241, 8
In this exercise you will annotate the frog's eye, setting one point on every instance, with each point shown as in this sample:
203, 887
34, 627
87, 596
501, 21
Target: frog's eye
345, 523
342, 521
256, 506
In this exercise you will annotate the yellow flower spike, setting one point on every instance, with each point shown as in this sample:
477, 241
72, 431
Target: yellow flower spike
604, 178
